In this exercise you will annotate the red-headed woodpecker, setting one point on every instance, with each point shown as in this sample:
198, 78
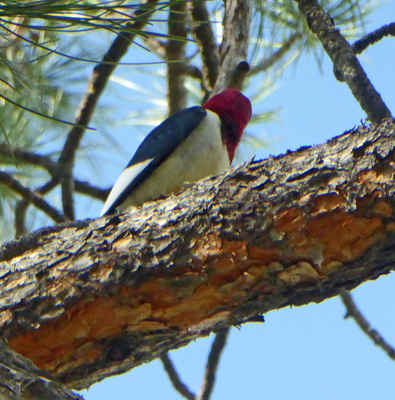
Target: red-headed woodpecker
190, 145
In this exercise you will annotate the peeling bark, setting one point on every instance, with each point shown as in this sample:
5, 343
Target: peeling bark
93, 298
20, 379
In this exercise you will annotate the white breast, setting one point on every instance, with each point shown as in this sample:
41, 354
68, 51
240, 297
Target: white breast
202, 154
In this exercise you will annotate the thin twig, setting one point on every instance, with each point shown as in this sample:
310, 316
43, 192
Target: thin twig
32, 197
175, 51
98, 81
277, 56
207, 43
155, 45
239, 75
363, 323
90, 190
175, 379
373, 37
47, 163
20, 218
346, 66
194, 72
28, 157
212, 364
20, 210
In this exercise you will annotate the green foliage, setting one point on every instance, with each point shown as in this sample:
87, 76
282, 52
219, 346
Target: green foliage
276, 21
47, 51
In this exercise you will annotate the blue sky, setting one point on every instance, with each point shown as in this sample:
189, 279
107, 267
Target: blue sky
307, 352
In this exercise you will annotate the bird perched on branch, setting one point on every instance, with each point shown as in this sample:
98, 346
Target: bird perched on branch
190, 145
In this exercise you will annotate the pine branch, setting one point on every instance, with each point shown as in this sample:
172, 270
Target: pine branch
156, 45
345, 64
29, 157
100, 75
20, 218
207, 43
20, 379
175, 55
234, 46
175, 379
237, 246
51, 167
373, 37
20, 210
194, 72
363, 323
91, 190
32, 197
212, 364
277, 56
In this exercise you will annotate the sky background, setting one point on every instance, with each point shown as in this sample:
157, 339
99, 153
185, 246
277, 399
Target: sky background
308, 352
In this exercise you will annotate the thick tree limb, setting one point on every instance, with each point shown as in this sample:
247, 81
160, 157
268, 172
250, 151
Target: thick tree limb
346, 66
94, 298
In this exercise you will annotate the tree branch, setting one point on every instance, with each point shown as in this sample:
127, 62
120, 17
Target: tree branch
28, 157
363, 323
20, 379
234, 46
98, 81
194, 72
212, 364
207, 43
20, 210
91, 190
345, 64
277, 56
94, 298
175, 55
373, 37
156, 45
20, 218
52, 168
32, 197
175, 379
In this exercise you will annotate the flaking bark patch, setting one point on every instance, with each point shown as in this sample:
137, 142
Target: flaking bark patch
106, 295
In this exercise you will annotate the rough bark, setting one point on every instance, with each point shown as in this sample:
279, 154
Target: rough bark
346, 66
20, 379
234, 47
93, 298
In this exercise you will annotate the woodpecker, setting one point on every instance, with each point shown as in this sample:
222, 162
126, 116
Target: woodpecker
190, 145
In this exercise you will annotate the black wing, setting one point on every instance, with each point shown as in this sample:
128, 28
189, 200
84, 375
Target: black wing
157, 146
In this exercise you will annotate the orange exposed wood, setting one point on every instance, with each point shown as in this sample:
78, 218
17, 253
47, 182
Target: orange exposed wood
229, 270
109, 294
